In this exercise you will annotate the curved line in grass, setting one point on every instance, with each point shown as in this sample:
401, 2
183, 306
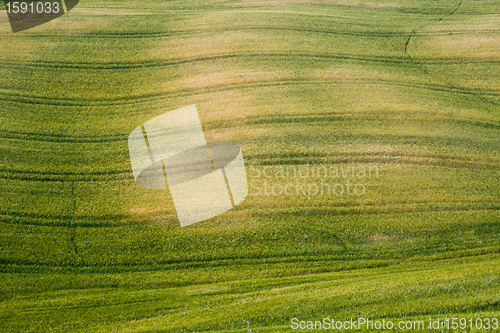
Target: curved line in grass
45, 220
39, 100
172, 62
196, 32
449, 83
401, 158
414, 33
40, 137
373, 116
395, 154
26, 136
258, 120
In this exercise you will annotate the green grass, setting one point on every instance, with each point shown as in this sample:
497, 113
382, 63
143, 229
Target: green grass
408, 87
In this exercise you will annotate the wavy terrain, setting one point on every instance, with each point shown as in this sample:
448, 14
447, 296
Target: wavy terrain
398, 97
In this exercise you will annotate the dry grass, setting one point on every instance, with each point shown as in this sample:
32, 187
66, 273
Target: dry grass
461, 47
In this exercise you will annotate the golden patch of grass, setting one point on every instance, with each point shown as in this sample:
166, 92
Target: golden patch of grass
465, 47
379, 237
234, 134
352, 3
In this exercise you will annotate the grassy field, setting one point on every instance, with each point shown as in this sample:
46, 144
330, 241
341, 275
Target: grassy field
409, 89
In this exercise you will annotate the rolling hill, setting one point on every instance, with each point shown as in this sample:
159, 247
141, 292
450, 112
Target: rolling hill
396, 102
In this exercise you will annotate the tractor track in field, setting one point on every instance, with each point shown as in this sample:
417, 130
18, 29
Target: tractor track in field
116, 221
69, 221
415, 33
218, 31
381, 156
419, 65
446, 161
383, 117
258, 120
113, 175
326, 257
174, 62
39, 137
240, 55
138, 99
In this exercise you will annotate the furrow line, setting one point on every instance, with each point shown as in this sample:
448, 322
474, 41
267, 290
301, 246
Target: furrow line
310, 118
173, 62
194, 32
37, 100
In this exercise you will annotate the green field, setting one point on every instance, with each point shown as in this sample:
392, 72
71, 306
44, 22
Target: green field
409, 88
